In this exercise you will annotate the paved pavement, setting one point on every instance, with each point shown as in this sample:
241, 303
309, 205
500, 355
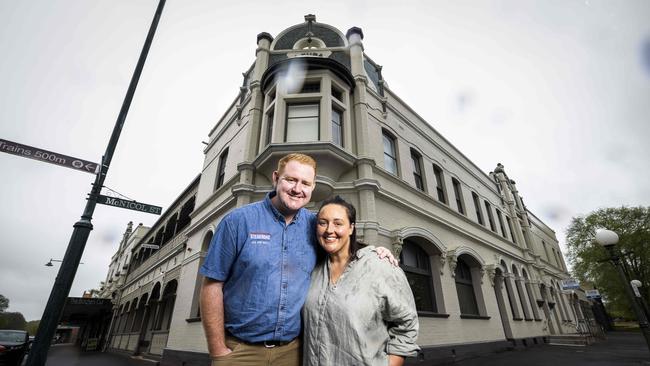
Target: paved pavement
620, 348
70, 355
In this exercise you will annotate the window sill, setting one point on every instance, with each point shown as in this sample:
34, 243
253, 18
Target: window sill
472, 316
518, 319
193, 320
428, 314
528, 320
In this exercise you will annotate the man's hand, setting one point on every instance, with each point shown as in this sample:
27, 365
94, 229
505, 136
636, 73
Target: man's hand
222, 352
385, 253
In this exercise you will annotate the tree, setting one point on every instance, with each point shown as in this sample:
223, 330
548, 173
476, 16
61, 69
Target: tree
590, 260
4, 303
12, 321
32, 326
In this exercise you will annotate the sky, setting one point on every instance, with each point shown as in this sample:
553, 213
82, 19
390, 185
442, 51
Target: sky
557, 91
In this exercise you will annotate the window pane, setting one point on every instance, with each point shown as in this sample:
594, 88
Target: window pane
390, 164
409, 257
303, 110
302, 129
337, 130
421, 287
466, 299
302, 122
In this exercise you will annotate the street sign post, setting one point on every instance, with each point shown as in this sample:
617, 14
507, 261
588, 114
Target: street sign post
131, 205
46, 156
63, 282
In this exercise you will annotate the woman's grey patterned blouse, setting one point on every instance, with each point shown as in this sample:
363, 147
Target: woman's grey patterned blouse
368, 314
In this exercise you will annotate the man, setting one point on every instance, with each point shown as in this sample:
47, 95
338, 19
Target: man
257, 273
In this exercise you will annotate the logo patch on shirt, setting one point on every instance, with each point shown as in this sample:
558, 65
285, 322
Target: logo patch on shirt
259, 238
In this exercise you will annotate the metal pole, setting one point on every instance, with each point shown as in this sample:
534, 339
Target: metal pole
640, 314
82, 228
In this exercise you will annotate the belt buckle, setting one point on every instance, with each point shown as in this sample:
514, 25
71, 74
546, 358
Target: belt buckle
270, 345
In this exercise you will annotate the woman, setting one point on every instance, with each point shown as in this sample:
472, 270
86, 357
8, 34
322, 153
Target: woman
359, 309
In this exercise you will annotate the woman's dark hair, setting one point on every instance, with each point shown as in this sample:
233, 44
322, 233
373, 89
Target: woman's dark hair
352, 217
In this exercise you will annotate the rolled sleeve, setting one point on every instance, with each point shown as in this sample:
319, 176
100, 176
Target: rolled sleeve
222, 252
401, 315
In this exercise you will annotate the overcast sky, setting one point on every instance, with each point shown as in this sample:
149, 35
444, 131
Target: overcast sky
557, 91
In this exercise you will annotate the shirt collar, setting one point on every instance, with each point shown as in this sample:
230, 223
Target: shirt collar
267, 202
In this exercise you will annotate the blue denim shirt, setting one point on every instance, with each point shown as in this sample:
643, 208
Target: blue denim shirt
265, 265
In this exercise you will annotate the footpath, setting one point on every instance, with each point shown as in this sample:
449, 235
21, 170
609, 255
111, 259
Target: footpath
622, 348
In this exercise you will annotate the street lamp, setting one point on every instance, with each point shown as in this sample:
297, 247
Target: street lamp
608, 240
49, 264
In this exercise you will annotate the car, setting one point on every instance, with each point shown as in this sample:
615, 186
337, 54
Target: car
14, 344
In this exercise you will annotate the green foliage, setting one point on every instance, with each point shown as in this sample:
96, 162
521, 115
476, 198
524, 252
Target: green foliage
4, 303
590, 260
32, 326
12, 321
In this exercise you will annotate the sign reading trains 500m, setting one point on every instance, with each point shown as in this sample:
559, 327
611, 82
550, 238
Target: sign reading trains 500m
35, 153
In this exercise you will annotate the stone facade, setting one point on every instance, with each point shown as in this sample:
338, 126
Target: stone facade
484, 270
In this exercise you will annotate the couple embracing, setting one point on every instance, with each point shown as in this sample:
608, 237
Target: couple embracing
286, 287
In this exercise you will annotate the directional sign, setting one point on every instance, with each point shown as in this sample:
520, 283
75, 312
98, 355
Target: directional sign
131, 205
592, 294
570, 284
151, 246
35, 153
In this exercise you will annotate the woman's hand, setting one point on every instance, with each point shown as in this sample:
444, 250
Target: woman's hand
385, 253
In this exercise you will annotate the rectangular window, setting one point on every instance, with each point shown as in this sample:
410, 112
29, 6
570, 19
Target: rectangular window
390, 157
440, 184
221, 169
337, 127
477, 208
302, 122
417, 170
458, 194
500, 218
488, 209
269, 127
512, 233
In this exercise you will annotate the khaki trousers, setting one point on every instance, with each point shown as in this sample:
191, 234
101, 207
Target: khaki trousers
258, 355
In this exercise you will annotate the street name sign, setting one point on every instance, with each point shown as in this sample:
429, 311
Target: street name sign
151, 246
35, 153
131, 205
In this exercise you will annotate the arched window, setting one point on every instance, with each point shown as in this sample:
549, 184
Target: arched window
531, 296
520, 293
465, 289
167, 305
416, 265
512, 300
195, 310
